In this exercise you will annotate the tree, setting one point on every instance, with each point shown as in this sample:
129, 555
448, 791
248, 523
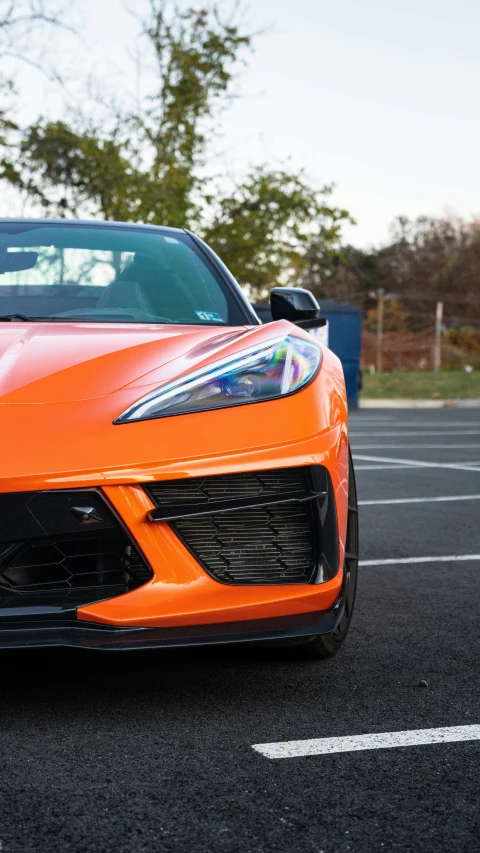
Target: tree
265, 228
427, 260
195, 53
143, 164
433, 259
67, 171
146, 163
21, 24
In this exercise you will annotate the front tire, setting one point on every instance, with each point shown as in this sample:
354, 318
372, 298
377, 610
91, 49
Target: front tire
326, 645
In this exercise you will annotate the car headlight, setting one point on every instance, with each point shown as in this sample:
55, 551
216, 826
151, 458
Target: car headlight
272, 370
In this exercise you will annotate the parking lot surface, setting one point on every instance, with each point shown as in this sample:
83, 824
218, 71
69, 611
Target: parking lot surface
147, 752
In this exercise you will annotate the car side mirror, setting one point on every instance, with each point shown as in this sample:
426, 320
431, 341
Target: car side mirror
297, 305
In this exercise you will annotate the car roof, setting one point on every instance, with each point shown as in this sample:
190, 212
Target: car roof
42, 220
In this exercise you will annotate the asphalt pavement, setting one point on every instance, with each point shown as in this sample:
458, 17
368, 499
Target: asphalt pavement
152, 752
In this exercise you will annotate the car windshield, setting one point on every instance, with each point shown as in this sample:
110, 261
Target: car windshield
95, 273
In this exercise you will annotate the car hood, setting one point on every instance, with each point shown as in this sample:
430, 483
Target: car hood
67, 362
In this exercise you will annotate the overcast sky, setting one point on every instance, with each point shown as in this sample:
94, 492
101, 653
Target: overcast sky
379, 97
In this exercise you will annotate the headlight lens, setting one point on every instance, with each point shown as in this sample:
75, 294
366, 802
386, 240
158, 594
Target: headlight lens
272, 370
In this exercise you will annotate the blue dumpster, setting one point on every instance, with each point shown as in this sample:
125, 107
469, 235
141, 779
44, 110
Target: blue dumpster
344, 339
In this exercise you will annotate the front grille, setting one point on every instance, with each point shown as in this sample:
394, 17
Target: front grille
208, 490
78, 565
266, 543
78, 569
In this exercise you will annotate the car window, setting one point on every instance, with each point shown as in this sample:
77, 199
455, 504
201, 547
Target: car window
111, 274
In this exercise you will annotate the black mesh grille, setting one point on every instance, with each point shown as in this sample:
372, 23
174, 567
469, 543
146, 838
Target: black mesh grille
265, 545
76, 570
268, 544
52, 559
204, 490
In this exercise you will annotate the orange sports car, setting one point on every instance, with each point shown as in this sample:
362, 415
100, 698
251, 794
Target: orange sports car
172, 471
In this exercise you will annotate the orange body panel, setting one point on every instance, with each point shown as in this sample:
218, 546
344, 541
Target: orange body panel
57, 431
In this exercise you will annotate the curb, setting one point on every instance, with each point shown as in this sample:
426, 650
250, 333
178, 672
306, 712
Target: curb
401, 403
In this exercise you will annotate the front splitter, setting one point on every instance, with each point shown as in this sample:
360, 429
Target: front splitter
93, 636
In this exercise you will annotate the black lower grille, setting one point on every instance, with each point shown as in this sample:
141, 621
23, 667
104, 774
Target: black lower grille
209, 490
78, 569
79, 565
280, 538
270, 544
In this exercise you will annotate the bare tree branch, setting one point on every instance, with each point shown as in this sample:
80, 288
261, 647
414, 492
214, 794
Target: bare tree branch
20, 21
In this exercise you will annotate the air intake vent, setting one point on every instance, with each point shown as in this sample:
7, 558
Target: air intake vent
266, 545
71, 570
261, 527
76, 561
230, 487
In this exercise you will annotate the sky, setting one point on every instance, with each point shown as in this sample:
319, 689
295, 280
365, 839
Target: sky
378, 98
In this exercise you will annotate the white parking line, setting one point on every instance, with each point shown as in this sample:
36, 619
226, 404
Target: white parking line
419, 425
400, 561
426, 433
397, 467
416, 446
355, 743
415, 463
354, 425
421, 500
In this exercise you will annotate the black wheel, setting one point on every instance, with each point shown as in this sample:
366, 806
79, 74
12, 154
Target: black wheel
326, 645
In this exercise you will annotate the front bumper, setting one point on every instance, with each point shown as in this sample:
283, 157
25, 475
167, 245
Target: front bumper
182, 593
83, 451
181, 603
